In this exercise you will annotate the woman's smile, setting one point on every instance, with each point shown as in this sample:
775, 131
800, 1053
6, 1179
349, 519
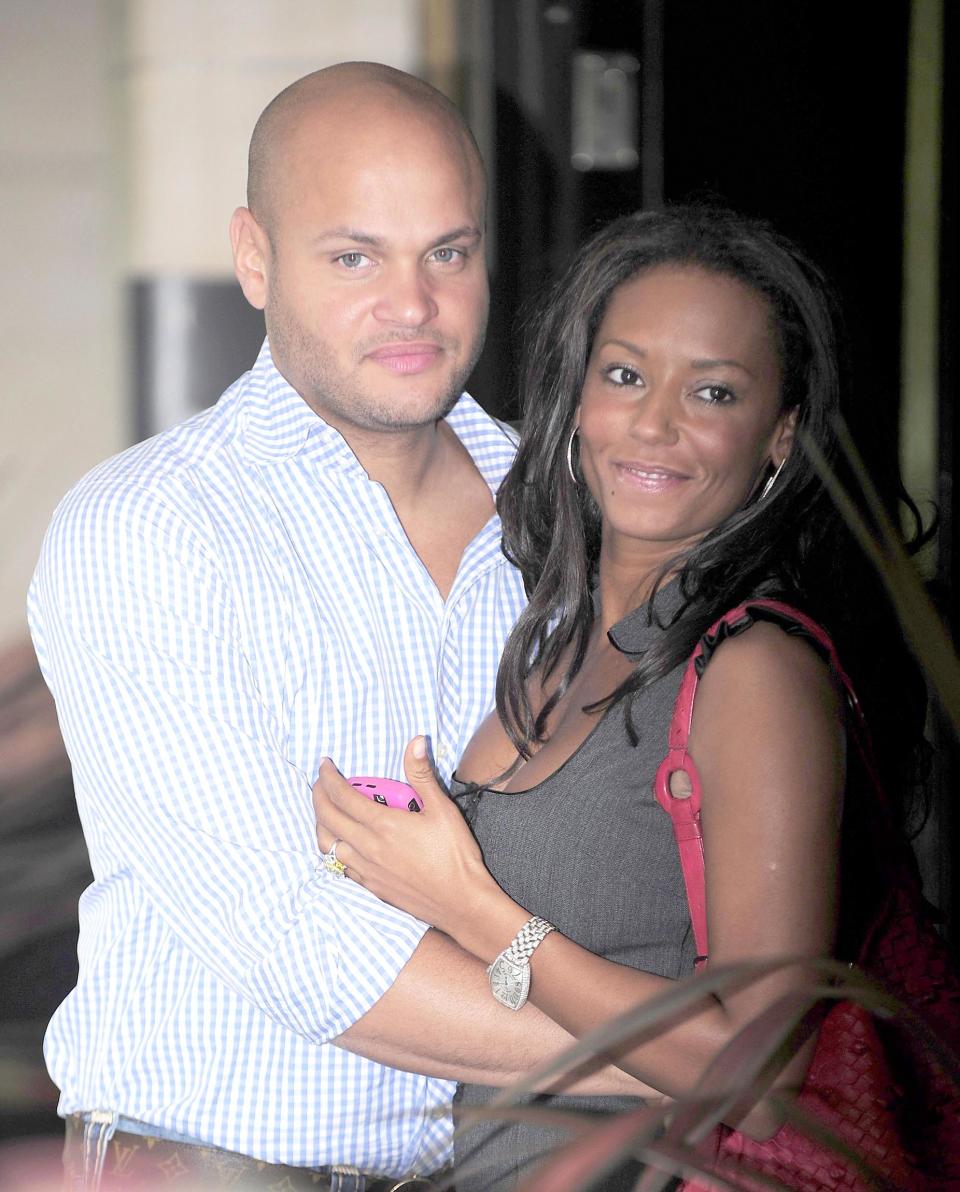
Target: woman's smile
651, 478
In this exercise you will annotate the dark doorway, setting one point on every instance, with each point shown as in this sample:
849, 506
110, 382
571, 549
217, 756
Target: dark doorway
795, 112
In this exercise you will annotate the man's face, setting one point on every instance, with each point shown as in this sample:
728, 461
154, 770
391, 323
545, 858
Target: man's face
376, 285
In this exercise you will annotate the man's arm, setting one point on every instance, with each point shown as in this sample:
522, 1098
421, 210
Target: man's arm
179, 765
440, 1018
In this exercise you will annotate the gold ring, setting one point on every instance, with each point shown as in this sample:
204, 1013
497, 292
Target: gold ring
332, 863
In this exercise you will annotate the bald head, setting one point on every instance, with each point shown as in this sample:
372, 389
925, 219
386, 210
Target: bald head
349, 94
363, 244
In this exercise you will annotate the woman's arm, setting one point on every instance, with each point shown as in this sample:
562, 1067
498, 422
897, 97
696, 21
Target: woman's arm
438, 1018
766, 738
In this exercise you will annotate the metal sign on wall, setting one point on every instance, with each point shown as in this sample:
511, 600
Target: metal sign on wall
604, 111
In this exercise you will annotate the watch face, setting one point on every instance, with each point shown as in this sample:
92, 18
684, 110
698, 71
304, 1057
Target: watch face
509, 982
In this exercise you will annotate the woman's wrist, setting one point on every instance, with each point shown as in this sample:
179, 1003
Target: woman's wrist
487, 921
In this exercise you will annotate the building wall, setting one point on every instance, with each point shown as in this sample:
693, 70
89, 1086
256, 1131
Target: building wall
61, 408
122, 155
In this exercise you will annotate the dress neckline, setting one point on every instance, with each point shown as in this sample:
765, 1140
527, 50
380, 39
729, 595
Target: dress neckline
630, 635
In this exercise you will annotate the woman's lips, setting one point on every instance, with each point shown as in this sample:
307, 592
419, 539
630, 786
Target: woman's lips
649, 478
406, 358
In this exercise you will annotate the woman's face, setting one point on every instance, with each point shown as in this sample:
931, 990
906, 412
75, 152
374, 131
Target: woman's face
680, 415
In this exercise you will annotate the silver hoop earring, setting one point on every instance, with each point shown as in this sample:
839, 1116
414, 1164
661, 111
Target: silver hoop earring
771, 480
570, 455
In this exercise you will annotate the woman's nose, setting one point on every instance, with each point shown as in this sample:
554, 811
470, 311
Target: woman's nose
654, 418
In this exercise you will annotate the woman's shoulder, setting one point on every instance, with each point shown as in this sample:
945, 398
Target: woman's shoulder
768, 642
767, 733
764, 666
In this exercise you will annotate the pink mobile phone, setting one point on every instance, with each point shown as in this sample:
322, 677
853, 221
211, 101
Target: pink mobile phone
389, 792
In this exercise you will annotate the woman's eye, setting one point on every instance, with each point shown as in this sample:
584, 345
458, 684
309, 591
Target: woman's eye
353, 260
717, 395
622, 374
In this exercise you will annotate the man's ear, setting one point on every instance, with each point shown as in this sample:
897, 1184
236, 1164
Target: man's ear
250, 256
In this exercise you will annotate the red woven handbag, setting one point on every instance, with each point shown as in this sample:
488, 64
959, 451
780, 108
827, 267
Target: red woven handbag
881, 1093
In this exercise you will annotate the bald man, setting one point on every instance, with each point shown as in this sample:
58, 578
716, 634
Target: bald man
310, 568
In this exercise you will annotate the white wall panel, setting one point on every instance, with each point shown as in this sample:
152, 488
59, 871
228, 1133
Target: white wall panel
61, 409
198, 77
123, 133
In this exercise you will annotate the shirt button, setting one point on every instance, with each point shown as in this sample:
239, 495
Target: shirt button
443, 755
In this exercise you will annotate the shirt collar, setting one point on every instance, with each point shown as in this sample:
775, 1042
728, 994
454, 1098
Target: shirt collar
492, 444
276, 424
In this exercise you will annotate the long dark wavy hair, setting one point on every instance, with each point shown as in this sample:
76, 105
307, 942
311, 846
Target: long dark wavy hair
786, 545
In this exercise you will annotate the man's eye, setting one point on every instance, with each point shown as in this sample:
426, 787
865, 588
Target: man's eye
353, 260
447, 256
622, 374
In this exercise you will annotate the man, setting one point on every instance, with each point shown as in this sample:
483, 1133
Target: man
310, 568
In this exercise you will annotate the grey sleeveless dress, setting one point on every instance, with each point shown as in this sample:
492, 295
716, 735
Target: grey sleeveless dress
589, 849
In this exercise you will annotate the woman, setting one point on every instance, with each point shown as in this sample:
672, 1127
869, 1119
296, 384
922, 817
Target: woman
658, 484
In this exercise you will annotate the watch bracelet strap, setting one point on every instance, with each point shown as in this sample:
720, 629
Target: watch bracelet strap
528, 938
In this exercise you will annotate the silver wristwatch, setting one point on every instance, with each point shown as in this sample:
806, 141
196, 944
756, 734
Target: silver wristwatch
510, 972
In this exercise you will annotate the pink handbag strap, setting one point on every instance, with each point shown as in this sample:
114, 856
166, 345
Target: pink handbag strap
685, 812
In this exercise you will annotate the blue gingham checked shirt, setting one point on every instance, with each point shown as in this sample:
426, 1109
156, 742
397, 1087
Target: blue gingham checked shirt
214, 610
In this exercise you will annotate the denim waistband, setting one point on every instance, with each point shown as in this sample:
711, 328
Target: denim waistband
132, 1126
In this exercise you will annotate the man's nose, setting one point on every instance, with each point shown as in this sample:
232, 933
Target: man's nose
406, 299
